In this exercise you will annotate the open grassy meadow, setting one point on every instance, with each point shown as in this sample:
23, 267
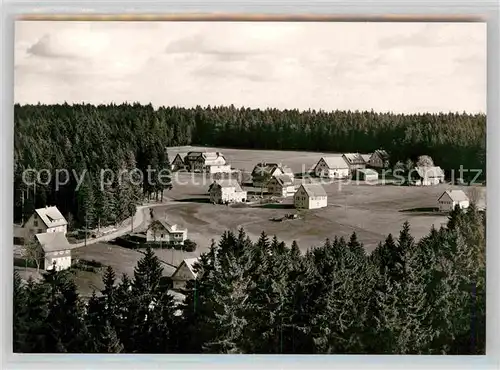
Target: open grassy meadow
372, 211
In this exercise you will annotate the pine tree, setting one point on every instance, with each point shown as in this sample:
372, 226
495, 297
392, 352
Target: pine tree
20, 304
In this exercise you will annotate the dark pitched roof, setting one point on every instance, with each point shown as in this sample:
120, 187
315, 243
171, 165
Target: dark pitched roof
354, 158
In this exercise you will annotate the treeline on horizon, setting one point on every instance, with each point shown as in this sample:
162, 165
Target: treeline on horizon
124, 136
407, 297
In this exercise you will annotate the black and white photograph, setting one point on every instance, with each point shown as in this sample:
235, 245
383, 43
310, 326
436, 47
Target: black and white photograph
249, 187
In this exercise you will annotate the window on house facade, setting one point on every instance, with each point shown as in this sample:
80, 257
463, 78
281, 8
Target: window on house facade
39, 231
35, 222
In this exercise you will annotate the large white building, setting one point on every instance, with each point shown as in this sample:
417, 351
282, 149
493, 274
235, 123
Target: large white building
310, 196
184, 273
281, 186
55, 249
332, 167
46, 220
162, 231
450, 198
227, 190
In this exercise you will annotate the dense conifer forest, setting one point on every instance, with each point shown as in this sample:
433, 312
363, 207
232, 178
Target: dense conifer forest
407, 297
127, 136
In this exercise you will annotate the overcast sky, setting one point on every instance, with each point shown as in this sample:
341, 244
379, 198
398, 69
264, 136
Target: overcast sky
399, 67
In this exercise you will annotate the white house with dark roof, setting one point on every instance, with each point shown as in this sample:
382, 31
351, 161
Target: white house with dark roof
332, 167
56, 250
310, 196
282, 186
163, 231
45, 220
450, 198
226, 190
184, 273
429, 175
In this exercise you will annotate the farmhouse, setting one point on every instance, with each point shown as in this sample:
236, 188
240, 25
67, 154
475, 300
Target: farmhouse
429, 175
263, 172
162, 231
366, 157
45, 220
379, 159
354, 161
333, 167
178, 162
55, 250
450, 198
365, 174
184, 273
281, 185
227, 190
310, 196
203, 161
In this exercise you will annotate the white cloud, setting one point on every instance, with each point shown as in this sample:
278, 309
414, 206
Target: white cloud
382, 66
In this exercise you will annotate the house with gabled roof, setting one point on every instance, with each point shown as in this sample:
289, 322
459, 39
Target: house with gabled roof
366, 157
332, 167
165, 232
203, 161
226, 191
178, 163
379, 159
45, 220
432, 175
354, 161
451, 198
263, 172
55, 250
281, 185
184, 273
310, 196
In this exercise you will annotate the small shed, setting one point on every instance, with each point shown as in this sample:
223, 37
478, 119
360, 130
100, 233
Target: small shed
366, 174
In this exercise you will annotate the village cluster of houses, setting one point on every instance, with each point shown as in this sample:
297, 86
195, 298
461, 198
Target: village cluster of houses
209, 162
279, 179
46, 230
47, 227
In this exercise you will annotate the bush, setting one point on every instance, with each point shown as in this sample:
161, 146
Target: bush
189, 245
